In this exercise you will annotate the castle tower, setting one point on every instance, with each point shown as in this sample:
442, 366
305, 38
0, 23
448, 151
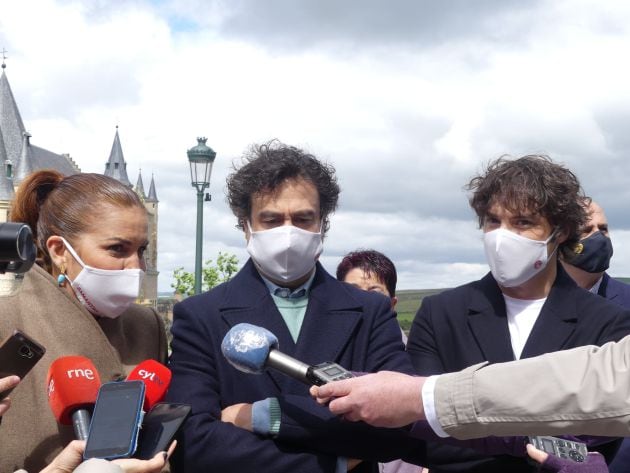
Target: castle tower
116, 166
18, 156
151, 277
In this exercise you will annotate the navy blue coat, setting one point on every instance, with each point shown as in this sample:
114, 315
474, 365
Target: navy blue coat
615, 291
619, 293
354, 328
467, 325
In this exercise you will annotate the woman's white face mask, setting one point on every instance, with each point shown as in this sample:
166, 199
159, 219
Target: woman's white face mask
105, 292
515, 259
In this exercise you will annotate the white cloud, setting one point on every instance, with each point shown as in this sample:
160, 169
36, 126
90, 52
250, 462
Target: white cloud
405, 118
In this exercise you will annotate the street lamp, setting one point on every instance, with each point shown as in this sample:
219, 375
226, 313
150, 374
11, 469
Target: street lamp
201, 158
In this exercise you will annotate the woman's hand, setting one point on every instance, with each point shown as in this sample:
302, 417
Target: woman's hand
594, 462
69, 458
154, 465
7, 383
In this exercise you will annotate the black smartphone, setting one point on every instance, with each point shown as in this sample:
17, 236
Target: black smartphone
116, 420
559, 447
18, 354
159, 428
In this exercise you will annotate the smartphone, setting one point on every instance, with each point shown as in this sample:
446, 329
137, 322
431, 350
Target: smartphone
159, 428
18, 354
559, 447
116, 420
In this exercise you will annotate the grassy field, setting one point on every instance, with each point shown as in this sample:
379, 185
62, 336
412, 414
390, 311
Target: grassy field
408, 304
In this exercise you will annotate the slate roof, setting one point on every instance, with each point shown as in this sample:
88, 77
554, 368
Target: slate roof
116, 166
16, 148
152, 197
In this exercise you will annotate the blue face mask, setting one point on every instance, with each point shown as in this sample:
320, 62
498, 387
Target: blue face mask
592, 254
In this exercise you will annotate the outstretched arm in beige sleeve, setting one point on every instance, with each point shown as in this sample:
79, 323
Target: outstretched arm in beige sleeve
581, 391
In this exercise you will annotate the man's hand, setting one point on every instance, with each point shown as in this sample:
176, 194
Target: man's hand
7, 383
383, 399
238, 414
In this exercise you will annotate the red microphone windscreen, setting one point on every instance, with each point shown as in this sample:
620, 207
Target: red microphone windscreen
73, 383
156, 378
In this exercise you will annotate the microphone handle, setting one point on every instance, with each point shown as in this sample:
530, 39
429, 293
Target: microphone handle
81, 423
288, 365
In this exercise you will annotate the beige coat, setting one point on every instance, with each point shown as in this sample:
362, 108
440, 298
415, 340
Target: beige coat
581, 391
29, 434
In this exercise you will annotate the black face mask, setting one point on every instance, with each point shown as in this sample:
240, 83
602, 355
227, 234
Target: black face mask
592, 254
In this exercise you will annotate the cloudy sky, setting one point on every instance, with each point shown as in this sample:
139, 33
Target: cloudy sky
408, 99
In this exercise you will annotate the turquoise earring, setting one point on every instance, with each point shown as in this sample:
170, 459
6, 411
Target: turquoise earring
62, 278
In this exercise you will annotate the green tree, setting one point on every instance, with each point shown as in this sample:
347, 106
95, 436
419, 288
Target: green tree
211, 275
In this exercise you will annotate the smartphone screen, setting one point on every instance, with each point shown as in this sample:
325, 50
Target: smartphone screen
116, 419
159, 428
18, 354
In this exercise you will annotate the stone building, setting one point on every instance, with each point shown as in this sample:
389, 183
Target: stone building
19, 157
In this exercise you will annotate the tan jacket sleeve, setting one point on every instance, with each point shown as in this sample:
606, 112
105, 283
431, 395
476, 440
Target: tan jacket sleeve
585, 390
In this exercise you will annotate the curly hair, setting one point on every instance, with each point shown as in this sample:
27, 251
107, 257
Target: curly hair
270, 164
373, 263
532, 183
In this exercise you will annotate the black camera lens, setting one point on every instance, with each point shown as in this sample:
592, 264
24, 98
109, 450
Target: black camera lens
17, 249
26, 351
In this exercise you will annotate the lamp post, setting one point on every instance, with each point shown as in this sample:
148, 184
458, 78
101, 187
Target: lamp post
201, 158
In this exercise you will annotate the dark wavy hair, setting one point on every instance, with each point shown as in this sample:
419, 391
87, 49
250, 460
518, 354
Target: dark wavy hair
372, 263
532, 183
270, 164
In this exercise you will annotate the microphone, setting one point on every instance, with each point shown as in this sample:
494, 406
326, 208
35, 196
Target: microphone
73, 384
251, 349
156, 378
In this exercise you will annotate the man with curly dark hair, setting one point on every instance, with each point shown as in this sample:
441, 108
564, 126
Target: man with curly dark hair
282, 198
528, 209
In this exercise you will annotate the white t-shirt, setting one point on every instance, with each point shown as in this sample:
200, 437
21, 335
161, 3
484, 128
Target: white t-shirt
522, 315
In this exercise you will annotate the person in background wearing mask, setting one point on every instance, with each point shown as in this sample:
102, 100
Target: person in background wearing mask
90, 232
529, 209
586, 262
282, 198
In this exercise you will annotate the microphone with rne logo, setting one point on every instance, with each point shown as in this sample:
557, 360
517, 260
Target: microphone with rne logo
73, 384
156, 378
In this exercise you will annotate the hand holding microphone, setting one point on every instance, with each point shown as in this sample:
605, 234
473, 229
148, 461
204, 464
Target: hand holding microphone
251, 349
73, 384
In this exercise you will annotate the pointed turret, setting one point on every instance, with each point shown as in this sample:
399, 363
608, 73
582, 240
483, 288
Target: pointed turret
11, 125
116, 166
140, 186
152, 197
25, 165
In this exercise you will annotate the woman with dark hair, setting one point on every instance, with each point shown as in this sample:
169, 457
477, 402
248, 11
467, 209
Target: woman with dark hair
91, 233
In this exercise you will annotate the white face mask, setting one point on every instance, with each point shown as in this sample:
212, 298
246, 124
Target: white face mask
284, 253
105, 292
515, 259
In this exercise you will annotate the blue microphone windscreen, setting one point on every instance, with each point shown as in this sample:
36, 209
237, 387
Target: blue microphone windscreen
246, 347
